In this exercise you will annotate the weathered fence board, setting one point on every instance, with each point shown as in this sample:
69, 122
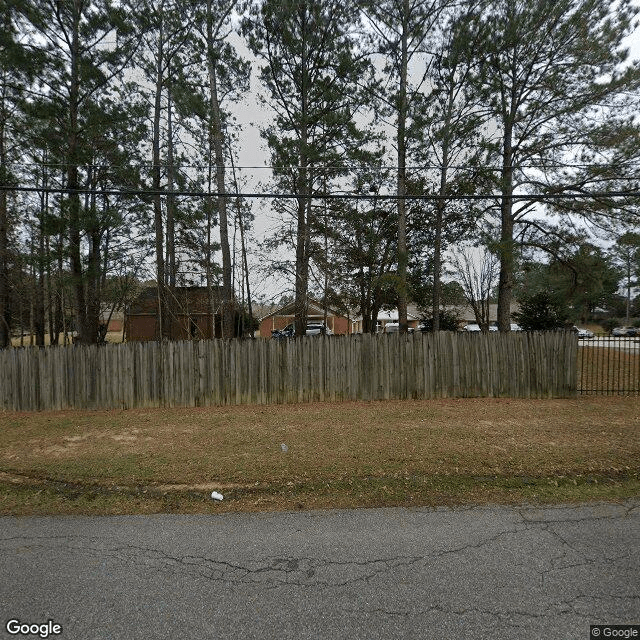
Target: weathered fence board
362, 367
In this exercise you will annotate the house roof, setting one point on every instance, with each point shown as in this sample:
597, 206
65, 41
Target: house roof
465, 312
394, 315
314, 309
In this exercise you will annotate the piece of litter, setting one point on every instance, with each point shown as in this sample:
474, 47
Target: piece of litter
216, 496
284, 447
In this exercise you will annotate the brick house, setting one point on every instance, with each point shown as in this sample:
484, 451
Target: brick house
190, 311
285, 315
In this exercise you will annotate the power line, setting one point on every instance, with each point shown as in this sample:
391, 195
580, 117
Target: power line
362, 167
318, 196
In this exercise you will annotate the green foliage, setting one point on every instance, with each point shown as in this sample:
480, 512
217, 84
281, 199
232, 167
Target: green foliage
608, 324
626, 255
582, 280
449, 321
245, 324
540, 312
559, 90
312, 74
420, 277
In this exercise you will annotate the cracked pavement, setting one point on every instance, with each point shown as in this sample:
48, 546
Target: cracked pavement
483, 572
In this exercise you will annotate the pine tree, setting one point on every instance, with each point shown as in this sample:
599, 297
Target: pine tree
550, 69
402, 32
626, 254
313, 73
87, 44
449, 136
17, 69
167, 26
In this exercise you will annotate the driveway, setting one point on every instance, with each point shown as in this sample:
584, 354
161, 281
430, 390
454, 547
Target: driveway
490, 572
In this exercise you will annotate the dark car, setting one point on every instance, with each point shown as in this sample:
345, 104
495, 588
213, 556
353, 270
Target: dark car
625, 332
313, 329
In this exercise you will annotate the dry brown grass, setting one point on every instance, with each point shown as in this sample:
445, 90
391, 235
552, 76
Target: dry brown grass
601, 368
352, 454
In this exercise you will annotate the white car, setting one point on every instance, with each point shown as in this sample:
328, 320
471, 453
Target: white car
394, 327
584, 334
317, 328
475, 328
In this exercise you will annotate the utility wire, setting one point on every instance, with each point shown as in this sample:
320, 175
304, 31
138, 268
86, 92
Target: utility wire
351, 168
320, 196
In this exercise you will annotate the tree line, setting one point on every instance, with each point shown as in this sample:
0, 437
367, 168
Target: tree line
500, 123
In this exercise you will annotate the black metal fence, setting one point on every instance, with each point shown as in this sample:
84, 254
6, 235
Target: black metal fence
609, 366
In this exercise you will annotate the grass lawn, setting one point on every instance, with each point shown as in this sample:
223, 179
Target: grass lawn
437, 452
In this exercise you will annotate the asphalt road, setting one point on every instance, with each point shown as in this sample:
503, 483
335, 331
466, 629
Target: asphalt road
491, 572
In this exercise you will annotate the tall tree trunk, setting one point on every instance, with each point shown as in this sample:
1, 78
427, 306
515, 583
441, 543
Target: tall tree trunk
216, 136
5, 316
48, 293
246, 270
402, 174
32, 283
93, 267
73, 185
325, 306
302, 264
209, 205
164, 322
628, 309
242, 241
506, 251
171, 201
441, 205
302, 231
437, 264
39, 319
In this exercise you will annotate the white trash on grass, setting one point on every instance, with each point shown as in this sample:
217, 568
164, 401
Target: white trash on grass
216, 496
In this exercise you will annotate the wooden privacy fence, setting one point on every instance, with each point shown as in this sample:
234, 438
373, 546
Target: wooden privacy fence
322, 368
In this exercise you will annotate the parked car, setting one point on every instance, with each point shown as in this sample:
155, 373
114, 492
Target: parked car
394, 327
313, 329
584, 334
318, 328
625, 332
475, 328
515, 327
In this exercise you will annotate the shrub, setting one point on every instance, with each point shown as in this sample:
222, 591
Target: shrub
540, 312
448, 322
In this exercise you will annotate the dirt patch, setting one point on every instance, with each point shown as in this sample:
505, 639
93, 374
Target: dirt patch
17, 479
402, 452
207, 486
